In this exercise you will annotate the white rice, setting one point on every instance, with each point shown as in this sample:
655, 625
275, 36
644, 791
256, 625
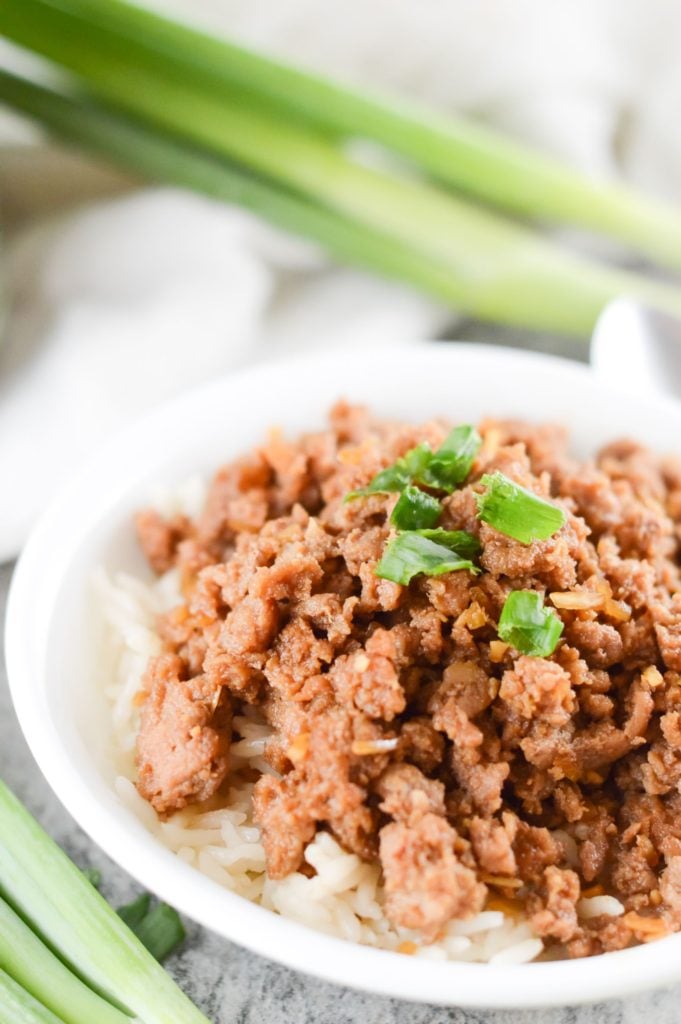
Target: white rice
344, 897
594, 906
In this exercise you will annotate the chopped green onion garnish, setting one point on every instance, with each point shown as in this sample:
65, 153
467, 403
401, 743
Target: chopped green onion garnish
442, 470
415, 510
399, 475
465, 544
527, 625
517, 512
452, 462
410, 554
17, 1006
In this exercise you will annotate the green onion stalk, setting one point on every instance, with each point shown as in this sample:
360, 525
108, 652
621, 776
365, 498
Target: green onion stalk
455, 151
155, 155
19, 1007
65, 947
300, 178
33, 966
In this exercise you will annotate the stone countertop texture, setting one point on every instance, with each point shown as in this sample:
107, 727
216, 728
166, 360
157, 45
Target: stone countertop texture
233, 986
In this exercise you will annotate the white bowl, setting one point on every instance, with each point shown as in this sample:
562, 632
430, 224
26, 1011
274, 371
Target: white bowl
52, 648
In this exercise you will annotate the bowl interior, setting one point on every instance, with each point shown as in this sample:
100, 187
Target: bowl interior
54, 641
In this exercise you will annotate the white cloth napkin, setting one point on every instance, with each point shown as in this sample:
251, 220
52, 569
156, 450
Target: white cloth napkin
122, 296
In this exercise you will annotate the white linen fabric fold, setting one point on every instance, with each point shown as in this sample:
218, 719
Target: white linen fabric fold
120, 296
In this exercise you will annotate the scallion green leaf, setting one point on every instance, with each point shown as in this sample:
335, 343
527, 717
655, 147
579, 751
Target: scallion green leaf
452, 462
159, 928
415, 510
397, 476
527, 625
517, 512
410, 554
134, 913
161, 931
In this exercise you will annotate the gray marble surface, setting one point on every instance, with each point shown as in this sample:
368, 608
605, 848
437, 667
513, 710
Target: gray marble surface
236, 987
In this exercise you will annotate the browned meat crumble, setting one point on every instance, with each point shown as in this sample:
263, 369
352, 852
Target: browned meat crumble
477, 776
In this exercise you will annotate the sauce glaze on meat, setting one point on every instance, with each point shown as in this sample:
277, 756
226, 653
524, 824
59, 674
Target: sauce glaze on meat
476, 775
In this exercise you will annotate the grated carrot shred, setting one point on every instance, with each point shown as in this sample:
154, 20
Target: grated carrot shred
577, 600
649, 927
594, 890
297, 750
353, 455
507, 905
407, 947
491, 441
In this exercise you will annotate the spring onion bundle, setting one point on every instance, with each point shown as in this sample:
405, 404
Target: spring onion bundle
217, 118
65, 954
454, 150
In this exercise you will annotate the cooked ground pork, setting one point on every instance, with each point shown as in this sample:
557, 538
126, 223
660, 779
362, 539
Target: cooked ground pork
401, 722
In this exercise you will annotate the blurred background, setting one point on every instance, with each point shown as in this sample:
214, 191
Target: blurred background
118, 293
